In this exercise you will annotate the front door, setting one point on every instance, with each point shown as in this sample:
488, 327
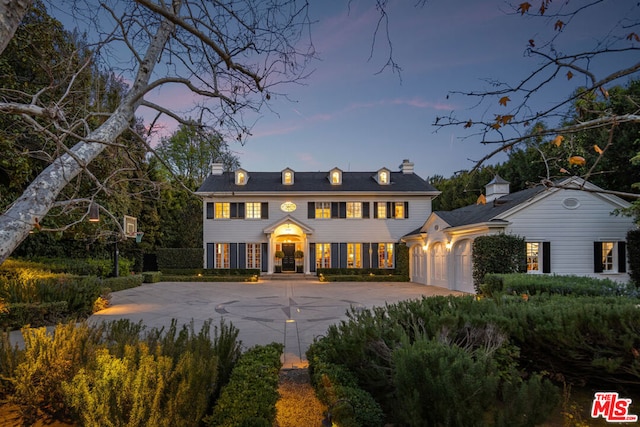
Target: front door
289, 261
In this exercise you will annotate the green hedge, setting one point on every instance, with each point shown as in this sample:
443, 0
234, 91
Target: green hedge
37, 314
633, 255
212, 271
534, 284
179, 258
363, 278
124, 282
249, 399
499, 253
151, 276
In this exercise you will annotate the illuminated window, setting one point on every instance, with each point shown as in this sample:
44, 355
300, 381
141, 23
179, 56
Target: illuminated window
253, 210
254, 255
383, 177
382, 210
608, 261
399, 210
533, 256
287, 177
354, 255
385, 255
335, 177
241, 178
222, 210
323, 255
354, 209
221, 258
323, 210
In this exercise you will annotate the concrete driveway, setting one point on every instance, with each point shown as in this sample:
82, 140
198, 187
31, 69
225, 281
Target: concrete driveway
291, 312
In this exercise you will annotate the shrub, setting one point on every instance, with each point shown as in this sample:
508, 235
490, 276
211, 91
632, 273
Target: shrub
633, 255
170, 258
499, 253
249, 399
124, 282
151, 276
35, 314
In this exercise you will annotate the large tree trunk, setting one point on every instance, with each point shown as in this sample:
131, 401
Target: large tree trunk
11, 14
26, 212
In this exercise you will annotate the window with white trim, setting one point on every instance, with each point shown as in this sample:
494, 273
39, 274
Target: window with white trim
382, 210
222, 210
253, 210
533, 256
399, 210
323, 255
221, 255
354, 209
354, 255
323, 210
385, 255
254, 255
608, 257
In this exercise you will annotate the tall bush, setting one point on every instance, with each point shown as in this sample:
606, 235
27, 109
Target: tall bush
498, 253
633, 255
179, 258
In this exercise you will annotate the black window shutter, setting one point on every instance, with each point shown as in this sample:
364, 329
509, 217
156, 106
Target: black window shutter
374, 256
240, 210
242, 255
264, 210
233, 255
311, 210
265, 256
406, 210
390, 210
312, 257
546, 257
343, 209
210, 255
335, 256
375, 209
622, 257
233, 210
335, 213
343, 255
365, 209
597, 257
366, 259
209, 210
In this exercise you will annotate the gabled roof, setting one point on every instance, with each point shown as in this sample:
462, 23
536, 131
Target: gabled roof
270, 182
492, 211
474, 214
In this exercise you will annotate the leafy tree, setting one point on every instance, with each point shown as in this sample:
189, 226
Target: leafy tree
189, 152
228, 58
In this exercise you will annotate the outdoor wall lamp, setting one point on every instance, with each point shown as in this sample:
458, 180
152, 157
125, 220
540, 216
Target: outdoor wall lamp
94, 213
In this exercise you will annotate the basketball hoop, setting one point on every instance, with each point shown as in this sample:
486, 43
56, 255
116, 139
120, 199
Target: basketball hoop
138, 236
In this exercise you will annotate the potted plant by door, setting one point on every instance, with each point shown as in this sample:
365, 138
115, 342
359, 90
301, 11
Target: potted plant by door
298, 255
279, 255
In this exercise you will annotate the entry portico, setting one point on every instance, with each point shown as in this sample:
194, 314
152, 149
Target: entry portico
288, 235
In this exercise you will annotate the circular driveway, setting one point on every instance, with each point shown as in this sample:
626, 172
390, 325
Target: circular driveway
292, 312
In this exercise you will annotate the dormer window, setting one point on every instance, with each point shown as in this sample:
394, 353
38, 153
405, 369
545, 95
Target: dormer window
383, 177
287, 177
241, 177
335, 176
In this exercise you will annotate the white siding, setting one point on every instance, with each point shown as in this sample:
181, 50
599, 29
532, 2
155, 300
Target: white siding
571, 232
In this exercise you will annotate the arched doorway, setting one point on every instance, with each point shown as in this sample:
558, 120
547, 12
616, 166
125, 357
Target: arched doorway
288, 244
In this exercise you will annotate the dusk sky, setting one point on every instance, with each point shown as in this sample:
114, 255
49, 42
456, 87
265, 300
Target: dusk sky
352, 114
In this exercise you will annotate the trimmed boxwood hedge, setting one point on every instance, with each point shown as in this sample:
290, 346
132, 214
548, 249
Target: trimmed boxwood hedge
179, 258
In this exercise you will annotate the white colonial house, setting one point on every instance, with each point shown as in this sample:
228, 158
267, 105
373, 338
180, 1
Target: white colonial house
569, 229
335, 218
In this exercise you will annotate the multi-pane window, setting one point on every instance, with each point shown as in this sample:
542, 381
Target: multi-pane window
254, 255
222, 210
533, 256
323, 255
398, 210
382, 210
384, 177
608, 262
354, 255
221, 255
354, 209
385, 255
288, 177
335, 177
253, 210
323, 209
241, 178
